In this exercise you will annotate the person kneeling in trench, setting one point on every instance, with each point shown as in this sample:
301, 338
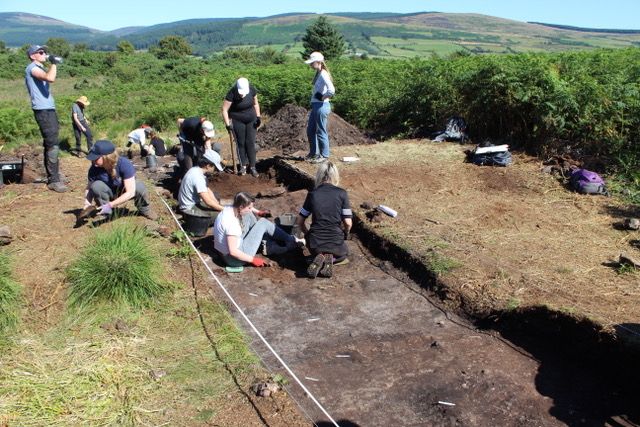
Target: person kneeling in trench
112, 182
198, 204
238, 233
330, 211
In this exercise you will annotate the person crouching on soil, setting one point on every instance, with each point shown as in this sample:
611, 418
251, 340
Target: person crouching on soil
238, 234
112, 182
195, 198
330, 211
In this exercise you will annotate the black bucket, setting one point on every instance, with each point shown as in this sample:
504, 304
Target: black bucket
197, 225
152, 161
11, 171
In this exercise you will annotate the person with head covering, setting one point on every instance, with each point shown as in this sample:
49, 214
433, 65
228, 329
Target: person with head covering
317, 126
81, 124
238, 233
196, 135
330, 211
112, 182
241, 115
38, 80
139, 136
195, 198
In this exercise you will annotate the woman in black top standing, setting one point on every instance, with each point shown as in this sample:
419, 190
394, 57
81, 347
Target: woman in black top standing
241, 115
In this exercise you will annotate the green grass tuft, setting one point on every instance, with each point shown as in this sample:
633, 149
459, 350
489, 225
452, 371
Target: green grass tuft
10, 292
119, 266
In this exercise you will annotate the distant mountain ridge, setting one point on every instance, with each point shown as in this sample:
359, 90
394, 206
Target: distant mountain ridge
366, 33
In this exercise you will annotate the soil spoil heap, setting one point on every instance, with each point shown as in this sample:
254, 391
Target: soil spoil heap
286, 131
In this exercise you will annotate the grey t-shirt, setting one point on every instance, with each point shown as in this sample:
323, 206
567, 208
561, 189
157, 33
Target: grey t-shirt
193, 183
76, 109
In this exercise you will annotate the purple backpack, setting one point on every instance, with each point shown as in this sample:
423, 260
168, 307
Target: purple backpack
586, 182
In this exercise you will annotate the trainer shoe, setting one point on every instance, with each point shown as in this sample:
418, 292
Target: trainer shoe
315, 266
254, 172
300, 241
58, 187
242, 171
318, 159
327, 268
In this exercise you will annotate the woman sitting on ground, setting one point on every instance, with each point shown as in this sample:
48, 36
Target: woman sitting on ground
238, 234
330, 211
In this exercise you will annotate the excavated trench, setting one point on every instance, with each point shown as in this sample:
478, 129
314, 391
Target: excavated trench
380, 343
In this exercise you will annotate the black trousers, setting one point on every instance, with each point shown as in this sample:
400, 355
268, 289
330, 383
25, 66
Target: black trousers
245, 134
49, 128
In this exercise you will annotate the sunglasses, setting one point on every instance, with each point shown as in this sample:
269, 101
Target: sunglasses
41, 52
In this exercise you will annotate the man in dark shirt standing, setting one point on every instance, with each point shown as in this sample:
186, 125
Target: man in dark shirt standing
37, 79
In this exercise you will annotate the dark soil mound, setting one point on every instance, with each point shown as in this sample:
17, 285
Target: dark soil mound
286, 131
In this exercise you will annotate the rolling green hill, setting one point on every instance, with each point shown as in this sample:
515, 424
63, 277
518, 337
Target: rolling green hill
373, 34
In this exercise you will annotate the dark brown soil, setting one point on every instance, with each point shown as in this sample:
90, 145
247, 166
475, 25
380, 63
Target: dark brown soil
285, 132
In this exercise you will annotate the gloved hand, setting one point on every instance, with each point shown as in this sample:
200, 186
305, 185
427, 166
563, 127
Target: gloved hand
52, 59
318, 96
258, 262
106, 209
264, 213
257, 123
229, 127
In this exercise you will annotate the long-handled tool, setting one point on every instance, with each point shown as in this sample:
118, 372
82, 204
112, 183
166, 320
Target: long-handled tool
233, 151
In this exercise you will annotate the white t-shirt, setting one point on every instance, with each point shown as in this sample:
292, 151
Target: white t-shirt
193, 183
226, 225
324, 86
138, 136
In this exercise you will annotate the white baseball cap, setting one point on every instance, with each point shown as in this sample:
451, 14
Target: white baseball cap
315, 57
207, 128
243, 86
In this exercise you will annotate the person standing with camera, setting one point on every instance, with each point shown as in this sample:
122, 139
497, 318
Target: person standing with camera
38, 80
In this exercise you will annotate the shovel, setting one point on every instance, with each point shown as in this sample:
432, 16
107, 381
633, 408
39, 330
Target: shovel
233, 152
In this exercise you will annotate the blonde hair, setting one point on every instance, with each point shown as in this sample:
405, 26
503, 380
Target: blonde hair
327, 173
109, 162
323, 66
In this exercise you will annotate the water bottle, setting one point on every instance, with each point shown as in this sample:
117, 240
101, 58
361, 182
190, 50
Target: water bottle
55, 59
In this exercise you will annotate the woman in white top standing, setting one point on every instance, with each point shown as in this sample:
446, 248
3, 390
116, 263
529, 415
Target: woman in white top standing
323, 90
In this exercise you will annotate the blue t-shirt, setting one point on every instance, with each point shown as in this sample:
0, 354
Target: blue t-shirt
124, 170
39, 91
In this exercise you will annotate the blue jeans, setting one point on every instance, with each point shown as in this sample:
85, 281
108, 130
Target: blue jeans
317, 130
253, 231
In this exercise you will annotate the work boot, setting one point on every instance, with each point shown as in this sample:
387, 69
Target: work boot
254, 172
315, 266
327, 268
149, 214
58, 187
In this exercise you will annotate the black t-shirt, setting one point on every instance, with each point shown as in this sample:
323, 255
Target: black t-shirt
242, 108
191, 129
327, 205
158, 146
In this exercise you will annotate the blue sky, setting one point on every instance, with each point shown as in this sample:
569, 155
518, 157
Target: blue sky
111, 14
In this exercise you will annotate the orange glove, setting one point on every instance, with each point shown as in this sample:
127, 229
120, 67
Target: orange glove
258, 262
265, 213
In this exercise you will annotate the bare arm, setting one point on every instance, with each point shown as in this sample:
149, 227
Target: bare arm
232, 242
256, 105
302, 224
225, 112
347, 223
47, 76
129, 192
210, 200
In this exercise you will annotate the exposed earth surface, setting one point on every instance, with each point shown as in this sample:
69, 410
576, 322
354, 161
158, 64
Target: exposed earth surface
531, 267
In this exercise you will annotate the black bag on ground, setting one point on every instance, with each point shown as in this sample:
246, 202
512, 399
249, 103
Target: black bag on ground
455, 130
